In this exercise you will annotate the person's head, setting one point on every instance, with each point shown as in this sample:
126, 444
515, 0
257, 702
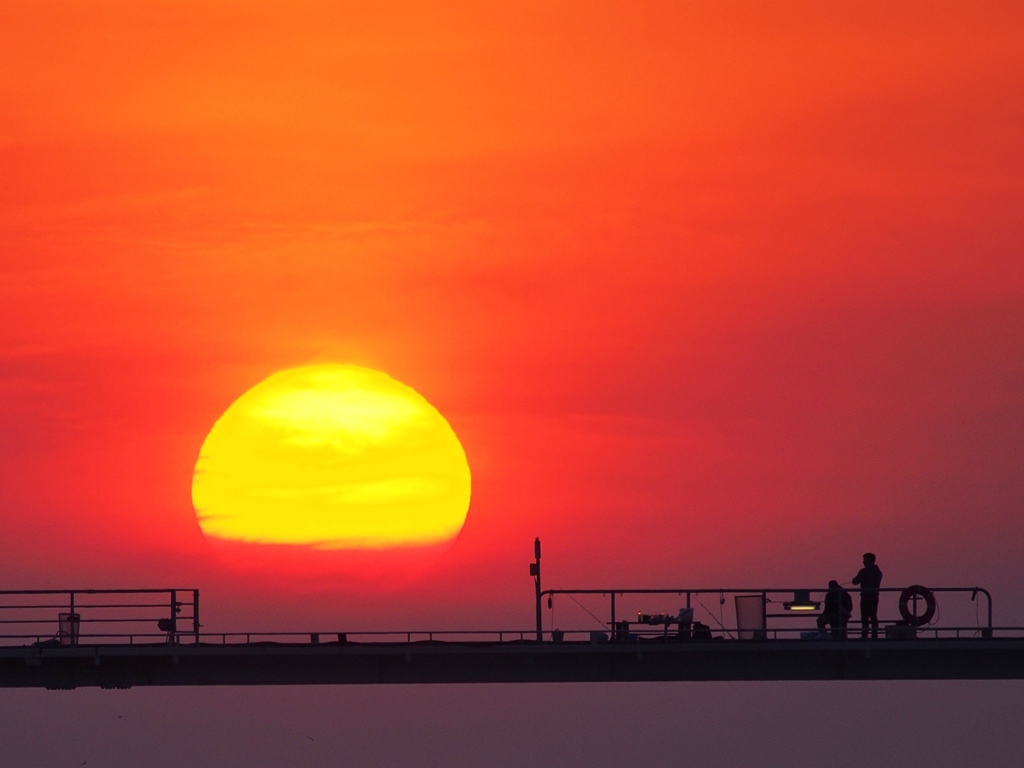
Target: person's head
833, 584
869, 558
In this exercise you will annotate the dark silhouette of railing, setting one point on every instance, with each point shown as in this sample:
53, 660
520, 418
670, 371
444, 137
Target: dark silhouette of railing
86, 616
782, 597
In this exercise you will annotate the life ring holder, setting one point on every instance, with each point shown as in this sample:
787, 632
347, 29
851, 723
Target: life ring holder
920, 592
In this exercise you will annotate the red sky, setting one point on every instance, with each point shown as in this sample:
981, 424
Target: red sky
714, 294
748, 279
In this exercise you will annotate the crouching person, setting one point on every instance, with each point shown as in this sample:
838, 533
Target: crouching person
837, 611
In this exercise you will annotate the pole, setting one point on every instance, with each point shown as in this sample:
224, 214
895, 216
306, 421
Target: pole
195, 614
172, 636
535, 572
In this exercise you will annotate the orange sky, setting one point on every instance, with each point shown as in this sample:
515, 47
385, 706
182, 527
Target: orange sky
712, 294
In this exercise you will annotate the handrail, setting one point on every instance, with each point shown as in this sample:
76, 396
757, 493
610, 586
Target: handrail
485, 637
180, 605
147, 590
690, 592
125, 613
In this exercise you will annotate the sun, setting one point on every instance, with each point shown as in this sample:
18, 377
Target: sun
331, 458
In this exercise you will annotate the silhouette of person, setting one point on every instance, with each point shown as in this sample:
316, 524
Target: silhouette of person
837, 611
869, 578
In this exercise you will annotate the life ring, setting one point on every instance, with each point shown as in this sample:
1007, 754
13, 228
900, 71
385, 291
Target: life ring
910, 593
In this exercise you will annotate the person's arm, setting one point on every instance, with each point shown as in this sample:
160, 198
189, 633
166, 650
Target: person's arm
857, 578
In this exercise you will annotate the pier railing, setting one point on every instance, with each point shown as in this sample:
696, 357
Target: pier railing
171, 616
784, 612
94, 616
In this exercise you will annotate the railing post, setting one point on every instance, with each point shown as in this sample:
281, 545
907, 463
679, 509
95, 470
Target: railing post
172, 636
988, 598
195, 614
535, 572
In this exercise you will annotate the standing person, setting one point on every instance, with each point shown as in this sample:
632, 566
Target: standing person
869, 578
837, 611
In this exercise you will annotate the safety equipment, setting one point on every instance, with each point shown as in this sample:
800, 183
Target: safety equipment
921, 593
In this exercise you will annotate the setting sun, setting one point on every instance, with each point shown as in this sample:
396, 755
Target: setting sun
332, 457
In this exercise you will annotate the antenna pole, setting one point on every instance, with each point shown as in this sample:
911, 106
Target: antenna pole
535, 572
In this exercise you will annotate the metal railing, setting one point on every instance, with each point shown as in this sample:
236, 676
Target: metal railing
574, 635
770, 597
171, 616
525, 637
74, 616
402, 637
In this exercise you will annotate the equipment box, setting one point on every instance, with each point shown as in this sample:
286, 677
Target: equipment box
900, 632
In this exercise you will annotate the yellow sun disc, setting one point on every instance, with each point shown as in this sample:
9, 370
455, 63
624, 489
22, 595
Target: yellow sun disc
332, 457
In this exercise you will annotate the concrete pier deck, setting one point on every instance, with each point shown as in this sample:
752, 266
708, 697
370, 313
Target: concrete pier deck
425, 662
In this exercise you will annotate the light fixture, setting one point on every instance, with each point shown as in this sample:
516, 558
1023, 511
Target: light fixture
802, 601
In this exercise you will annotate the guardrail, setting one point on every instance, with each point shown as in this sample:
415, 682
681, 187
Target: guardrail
483, 637
789, 600
577, 635
171, 616
71, 616
505, 637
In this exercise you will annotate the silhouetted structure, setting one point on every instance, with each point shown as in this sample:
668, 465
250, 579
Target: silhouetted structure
331, 663
106, 638
869, 578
